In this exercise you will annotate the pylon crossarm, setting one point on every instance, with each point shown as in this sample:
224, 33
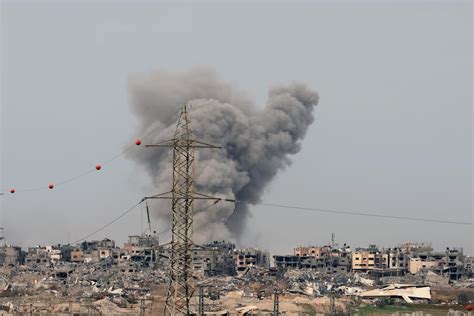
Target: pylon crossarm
158, 196
195, 196
165, 143
206, 145
202, 195
183, 143
180, 198
215, 198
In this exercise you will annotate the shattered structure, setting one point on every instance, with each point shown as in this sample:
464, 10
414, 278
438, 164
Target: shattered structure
450, 262
406, 291
215, 259
251, 257
10, 255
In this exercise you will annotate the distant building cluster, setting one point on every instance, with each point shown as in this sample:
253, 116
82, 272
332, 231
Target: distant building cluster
410, 258
220, 258
213, 259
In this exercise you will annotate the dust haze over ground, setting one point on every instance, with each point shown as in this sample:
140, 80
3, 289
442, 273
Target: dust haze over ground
257, 144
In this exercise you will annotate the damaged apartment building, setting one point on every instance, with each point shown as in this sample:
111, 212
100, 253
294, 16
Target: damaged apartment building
221, 258
91, 251
143, 249
379, 262
43, 255
326, 259
248, 258
11, 255
214, 259
411, 258
450, 263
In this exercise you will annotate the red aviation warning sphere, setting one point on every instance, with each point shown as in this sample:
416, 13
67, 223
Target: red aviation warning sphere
98, 167
138, 142
469, 307
12, 191
51, 186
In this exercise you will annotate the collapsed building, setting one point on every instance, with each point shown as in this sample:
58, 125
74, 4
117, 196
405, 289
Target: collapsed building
248, 258
214, 259
407, 292
41, 255
144, 249
469, 266
451, 262
11, 255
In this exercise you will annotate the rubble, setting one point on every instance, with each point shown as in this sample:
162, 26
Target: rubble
127, 282
107, 288
406, 291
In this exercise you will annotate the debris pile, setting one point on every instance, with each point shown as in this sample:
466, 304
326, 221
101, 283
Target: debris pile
93, 286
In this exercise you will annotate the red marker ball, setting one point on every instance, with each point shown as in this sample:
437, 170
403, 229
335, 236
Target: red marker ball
12, 191
98, 167
50, 186
469, 308
138, 142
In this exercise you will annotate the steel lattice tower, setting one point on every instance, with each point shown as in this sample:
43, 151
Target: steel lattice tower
182, 195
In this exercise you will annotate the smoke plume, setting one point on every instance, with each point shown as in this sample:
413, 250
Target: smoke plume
256, 142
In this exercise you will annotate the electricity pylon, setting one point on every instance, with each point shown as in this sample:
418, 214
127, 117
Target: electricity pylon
276, 302
182, 195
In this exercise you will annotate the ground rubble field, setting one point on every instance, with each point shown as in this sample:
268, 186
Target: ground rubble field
98, 289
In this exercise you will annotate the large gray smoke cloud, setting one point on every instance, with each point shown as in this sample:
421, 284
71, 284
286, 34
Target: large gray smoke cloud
257, 143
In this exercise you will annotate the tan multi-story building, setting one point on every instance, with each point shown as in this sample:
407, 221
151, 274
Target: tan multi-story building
417, 264
364, 260
394, 259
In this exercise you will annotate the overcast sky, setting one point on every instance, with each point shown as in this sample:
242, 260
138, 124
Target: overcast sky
392, 135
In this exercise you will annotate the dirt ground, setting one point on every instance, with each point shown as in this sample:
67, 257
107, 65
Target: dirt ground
290, 304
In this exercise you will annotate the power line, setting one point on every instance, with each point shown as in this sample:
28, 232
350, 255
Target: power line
128, 211
321, 210
75, 178
161, 125
108, 224
350, 212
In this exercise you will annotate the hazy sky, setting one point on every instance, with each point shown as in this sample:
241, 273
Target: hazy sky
392, 135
